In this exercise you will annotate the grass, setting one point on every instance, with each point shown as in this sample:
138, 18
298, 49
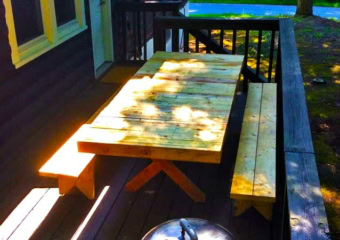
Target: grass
319, 52
232, 15
323, 3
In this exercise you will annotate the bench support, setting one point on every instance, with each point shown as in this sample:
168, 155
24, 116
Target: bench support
173, 172
85, 182
265, 208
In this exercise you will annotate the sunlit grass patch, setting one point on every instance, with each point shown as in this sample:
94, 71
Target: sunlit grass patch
332, 204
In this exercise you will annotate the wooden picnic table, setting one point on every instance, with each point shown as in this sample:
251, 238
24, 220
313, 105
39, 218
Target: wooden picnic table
175, 108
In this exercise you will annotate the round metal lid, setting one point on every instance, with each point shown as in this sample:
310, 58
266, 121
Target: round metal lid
172, 230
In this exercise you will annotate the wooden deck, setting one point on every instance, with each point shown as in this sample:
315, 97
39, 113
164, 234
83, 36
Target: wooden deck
121, 214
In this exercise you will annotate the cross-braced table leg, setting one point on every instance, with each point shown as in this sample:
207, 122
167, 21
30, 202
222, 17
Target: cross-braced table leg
173, 172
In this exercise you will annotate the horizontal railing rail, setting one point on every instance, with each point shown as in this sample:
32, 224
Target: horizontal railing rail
211, 34
151, 6
307, 215
219, 23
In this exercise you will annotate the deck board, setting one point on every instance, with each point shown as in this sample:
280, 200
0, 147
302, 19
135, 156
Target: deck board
139, 210
119, 212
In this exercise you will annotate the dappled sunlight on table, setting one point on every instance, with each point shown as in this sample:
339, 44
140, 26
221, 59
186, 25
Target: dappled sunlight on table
179, 101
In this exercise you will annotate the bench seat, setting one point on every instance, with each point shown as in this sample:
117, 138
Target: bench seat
254, 179
72, 168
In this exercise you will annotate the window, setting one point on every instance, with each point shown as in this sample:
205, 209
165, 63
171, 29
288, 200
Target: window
24, 12
65, 11
36, 26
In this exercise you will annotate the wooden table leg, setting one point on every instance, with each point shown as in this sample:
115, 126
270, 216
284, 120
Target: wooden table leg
143, 177
182, 180
173, 172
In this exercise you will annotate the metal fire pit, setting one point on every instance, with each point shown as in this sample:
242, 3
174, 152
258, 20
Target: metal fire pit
188, 229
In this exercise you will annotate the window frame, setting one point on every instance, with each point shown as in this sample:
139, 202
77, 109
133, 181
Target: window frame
52, 36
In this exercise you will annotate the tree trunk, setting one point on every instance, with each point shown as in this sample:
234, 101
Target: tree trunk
304, 8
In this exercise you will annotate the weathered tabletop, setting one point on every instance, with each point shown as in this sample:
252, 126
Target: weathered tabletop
176, 107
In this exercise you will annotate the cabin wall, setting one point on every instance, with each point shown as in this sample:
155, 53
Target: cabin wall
37, 91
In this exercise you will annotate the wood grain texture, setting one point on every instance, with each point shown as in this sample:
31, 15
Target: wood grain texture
244, 173
307, 214
254, 179
297, 135
143, 177
67, 161
265, 171
169, 120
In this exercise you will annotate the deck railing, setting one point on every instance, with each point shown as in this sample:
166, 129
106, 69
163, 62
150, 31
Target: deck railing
134, 25
299, 212
209, 35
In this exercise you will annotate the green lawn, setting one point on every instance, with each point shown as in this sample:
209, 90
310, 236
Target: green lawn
230, 15
324, 3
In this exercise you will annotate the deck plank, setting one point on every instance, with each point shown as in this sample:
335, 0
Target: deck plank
122, 170
140, 209
119, 212
307, 213
160, 208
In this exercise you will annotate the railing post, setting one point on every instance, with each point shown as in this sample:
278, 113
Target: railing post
175, 39
159, 35
271, 55
186, 40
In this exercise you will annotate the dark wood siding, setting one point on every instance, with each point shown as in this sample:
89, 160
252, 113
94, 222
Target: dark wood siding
32, 94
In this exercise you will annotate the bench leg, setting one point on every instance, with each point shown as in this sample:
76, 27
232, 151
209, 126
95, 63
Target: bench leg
66, 183
264, 208
85, 182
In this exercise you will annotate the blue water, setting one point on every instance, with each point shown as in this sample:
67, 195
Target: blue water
258, 10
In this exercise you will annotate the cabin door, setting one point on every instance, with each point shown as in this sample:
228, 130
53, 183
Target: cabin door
101, 27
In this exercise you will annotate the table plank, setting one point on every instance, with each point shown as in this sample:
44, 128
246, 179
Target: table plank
194, 62
180, 150
200, 56
147, 85
139, 99
209, 79
157, 135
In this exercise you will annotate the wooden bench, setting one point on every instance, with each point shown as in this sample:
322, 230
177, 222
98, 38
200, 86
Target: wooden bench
72, 168
254, 178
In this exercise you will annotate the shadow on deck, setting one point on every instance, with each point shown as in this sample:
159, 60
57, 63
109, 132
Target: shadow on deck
117, 214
